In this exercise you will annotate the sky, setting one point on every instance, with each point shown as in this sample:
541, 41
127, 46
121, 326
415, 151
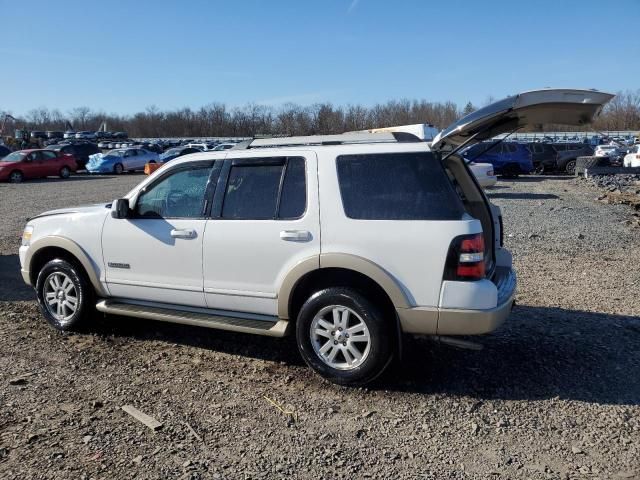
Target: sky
122, 56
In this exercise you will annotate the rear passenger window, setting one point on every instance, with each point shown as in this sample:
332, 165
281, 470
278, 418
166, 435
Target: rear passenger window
397, 186
264, 189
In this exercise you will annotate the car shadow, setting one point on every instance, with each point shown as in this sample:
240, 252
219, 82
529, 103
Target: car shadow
540, 353
539, 178
12, 286
522, 196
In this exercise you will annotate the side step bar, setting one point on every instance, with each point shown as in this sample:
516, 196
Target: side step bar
269, 327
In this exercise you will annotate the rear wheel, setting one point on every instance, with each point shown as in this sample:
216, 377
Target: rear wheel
65, 172
118, 169
510, 171
16, 176
64, 294
344, 337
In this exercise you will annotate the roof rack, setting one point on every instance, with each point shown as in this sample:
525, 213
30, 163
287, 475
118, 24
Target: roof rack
341, 139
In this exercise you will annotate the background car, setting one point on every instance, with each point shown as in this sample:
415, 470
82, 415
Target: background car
223, 146
177, 152
80, 151
86, 135
4, 151
632, 159
69, 134
509, 159
484, 173
543, 156
119, 160
23, 164
568, 152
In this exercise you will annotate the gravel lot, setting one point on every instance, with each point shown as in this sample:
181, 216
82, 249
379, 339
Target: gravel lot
555, 393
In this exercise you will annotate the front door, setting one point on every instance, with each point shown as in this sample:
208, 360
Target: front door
265, 220
156, 254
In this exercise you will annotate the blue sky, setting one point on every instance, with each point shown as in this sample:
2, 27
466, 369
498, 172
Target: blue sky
121, 56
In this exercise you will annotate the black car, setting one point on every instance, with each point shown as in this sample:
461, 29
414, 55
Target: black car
567, 154
80, 151
543, 156
4, 151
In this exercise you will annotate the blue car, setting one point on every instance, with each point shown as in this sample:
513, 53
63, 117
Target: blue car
117, 161
509, 159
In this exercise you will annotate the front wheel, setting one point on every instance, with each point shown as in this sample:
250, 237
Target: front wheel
118, 169
344, 337
65, 172
64, 294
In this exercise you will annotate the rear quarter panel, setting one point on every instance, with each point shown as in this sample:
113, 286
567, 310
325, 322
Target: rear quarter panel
412, 252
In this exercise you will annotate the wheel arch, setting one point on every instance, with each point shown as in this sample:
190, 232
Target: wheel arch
47, 248
337, 269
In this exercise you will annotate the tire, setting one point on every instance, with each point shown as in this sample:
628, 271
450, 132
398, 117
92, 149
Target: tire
16, 176
582, 163
570, 167
539, 169
61, 280
118, 169
324, 312
510, 171
65, 172
152, 161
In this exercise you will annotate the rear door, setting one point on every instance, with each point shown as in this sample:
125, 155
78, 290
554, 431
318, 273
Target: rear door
50, 163
265, 220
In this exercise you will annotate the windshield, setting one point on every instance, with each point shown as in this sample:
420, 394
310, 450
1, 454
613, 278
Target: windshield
14, 157
172, 151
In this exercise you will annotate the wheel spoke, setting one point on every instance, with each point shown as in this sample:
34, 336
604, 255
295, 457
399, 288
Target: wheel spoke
360, 338
344, 320
360, 327
65, 283
53, 281
59, 309
354, 352
326, 347
321, 332
72, 300
336, 317
333, 354
324, 324
347, 356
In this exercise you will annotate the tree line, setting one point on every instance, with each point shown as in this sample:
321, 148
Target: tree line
219, 120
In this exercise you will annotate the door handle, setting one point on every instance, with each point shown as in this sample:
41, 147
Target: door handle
295, 235
183, 233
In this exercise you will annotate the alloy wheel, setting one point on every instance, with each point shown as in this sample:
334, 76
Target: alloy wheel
340, 337
60, 297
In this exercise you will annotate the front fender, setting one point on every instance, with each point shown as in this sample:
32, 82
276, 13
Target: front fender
70, 246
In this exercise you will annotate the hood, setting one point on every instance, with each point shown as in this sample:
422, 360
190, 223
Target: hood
100, 158
85, 209
533, 109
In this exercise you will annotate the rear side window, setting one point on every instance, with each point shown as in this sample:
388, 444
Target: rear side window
397, 186
265, 189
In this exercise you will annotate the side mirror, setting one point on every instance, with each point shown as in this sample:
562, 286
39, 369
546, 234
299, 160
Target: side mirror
120, 208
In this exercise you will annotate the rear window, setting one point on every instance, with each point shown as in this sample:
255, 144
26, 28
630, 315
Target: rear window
397, 186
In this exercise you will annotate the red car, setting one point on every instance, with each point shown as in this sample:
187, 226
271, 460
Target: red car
22, 164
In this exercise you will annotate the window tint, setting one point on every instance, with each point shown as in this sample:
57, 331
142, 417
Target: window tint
33, 156
398, 186
293, 199
253, 190
49, 155
511, 147
180, 195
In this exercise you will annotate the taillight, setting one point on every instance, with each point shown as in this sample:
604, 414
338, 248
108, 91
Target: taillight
465, 260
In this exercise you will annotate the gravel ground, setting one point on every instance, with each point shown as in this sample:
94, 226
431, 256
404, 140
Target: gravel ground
555, 393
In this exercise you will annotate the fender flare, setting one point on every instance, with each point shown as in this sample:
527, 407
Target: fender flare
74, 249
348, 262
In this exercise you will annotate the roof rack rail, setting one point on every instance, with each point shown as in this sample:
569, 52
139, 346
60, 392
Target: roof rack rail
340, 139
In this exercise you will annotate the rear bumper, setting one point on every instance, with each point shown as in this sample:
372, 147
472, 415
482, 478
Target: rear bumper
449, 321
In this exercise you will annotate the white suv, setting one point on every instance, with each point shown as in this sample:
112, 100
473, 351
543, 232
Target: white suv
350, 240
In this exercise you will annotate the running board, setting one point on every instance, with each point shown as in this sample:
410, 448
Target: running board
271, 328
